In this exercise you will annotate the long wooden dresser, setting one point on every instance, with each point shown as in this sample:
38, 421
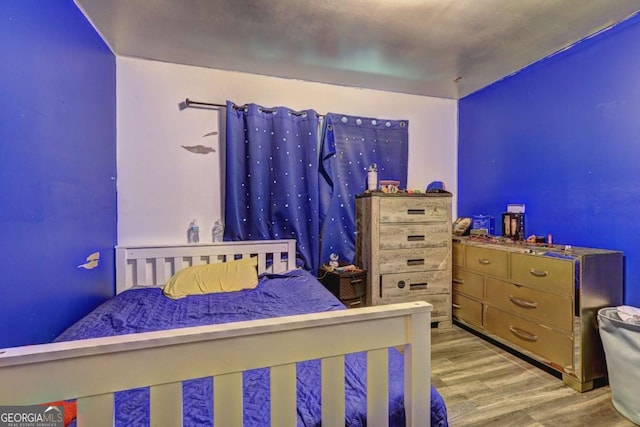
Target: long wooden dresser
540, 301
404, 243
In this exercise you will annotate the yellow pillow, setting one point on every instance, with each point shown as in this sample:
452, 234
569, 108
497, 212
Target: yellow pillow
209, 278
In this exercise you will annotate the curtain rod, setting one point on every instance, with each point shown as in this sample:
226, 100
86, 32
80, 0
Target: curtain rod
190, 103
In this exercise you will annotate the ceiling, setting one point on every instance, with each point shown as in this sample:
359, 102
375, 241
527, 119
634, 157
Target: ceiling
441, 48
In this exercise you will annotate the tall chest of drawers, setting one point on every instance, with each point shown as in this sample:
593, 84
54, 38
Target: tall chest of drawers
404, 243
542, 302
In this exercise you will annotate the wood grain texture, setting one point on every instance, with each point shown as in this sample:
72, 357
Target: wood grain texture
404, 244
484, 385
542, 303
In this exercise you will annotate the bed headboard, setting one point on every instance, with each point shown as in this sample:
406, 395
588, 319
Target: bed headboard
153, 265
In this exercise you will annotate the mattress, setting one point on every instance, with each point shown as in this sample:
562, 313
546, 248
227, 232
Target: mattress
296, 292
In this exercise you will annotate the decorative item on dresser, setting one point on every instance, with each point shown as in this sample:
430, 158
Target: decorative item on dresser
404, 243
540, 301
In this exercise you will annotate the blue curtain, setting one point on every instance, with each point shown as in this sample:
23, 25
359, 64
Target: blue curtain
272, 178
349, 145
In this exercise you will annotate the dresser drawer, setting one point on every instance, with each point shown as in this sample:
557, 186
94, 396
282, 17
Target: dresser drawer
458, 254
547, 274
467, 310
552, 346
468, 283
405, 236
441, 304
408, 260
550, 310
414, 209
406, 284
487, 261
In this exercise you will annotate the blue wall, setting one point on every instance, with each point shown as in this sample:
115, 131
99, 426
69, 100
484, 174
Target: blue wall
57, 179
563, 137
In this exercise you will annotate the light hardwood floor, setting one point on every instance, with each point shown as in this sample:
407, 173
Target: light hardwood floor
484, 385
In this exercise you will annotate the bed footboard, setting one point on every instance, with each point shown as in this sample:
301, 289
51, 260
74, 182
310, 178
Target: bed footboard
84, 370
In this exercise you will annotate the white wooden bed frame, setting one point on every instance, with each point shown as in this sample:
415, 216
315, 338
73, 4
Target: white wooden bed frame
92, 370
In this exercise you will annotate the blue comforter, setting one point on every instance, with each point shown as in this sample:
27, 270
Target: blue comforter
297, 292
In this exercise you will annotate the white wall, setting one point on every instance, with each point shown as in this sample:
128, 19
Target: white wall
162, 186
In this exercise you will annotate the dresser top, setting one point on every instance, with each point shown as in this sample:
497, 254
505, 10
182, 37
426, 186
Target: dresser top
528, 248
402, 194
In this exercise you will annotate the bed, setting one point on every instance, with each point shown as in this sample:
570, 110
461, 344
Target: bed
286, 353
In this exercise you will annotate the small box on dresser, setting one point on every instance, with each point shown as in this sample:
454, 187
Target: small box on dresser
404, 243
348, 286
540, 301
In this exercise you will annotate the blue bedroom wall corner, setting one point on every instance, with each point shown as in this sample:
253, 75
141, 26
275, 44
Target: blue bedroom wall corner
562, 137
58, 192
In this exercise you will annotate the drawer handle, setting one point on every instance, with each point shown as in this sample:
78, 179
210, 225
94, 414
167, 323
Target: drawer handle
456, 305
522, 334
416, 238
523, 303
415, 261
458, 281
415, 211
417, 286
484, 261
538, 273
401, 284
356, 282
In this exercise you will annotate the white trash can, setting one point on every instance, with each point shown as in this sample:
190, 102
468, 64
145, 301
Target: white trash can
621, 342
